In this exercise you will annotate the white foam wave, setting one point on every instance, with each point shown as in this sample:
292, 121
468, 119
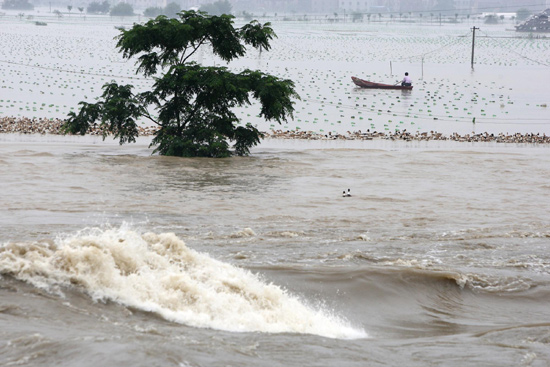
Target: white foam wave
159, 273
285, 234
489, 284
247, 232
364, 237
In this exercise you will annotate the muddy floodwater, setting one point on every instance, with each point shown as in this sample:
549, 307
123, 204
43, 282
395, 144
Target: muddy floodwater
112, 256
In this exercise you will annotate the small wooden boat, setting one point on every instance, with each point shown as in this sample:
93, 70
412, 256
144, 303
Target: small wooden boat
366, 84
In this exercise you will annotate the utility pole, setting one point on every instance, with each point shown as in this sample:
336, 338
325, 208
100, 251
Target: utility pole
473, 43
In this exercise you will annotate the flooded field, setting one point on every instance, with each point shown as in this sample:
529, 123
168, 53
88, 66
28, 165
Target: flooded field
47, 70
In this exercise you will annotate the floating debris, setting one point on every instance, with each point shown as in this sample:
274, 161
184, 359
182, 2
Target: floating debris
407, 136
23, 125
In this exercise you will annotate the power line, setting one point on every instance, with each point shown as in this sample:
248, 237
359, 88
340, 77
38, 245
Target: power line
421, 56
515, 52
481, 120
73, 71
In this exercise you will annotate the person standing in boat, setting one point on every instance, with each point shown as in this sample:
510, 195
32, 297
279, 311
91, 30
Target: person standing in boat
407, 81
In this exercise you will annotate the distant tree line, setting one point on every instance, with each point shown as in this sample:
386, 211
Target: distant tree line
98, 8
170, 10
122, 10
217, 8
17, 5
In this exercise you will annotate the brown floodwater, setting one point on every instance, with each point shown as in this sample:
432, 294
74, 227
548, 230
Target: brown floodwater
109, 255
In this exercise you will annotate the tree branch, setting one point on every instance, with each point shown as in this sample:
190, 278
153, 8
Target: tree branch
183, 54
147, 115
201, 42
191, 114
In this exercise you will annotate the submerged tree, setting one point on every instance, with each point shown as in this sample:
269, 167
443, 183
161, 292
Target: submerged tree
194, 103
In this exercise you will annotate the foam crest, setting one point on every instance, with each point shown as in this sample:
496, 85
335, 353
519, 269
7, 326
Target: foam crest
159, 273
490, 284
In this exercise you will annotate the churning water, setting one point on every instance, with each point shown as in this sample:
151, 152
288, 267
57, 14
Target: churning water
110, 255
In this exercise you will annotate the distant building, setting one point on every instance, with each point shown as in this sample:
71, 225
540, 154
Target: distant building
511, 5
466, 6
355, 5
410, 6
324, 6
536, 23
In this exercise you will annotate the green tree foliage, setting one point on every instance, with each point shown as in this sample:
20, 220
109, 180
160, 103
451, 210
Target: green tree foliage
193, 103
98, 8
17, 5
122, 10
217, 8
522, 14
